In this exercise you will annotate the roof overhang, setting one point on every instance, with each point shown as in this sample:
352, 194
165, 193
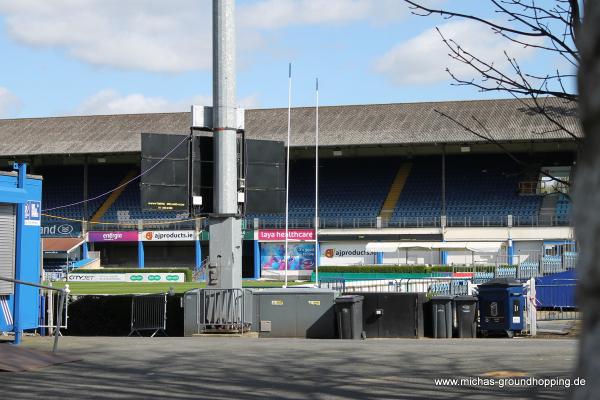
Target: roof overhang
61, 245
477, 247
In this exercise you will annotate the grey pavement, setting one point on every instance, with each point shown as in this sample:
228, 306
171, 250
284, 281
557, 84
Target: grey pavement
242, 368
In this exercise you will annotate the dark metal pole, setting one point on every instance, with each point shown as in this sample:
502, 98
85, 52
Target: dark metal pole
443, 180
85, 188
61, 304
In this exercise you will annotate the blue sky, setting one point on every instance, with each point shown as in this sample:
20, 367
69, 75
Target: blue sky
67, 57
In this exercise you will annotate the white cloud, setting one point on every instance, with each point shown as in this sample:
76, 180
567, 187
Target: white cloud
109, 101
269, 14
272, 14
9, 103
170, 35
424, 58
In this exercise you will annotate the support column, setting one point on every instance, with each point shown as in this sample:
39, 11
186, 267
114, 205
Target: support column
22, 171
510, 252
256, 259
84, 251
198, 251
140, 254
140, 246
444, 257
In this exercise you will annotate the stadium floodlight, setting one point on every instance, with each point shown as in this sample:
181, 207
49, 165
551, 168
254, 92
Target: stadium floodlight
317, 251
225, 226
287, 172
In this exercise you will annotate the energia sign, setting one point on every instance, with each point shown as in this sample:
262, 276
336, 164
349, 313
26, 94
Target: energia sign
166, 277
121, 236
167, 236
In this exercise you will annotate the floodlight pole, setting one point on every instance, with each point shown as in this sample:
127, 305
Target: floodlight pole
225, 267
287, 174
317, 250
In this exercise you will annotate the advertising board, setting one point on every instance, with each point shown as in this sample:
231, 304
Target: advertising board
128, 277
167, 236
119, 236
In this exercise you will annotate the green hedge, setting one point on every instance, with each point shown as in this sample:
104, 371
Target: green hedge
403, 269
186, 271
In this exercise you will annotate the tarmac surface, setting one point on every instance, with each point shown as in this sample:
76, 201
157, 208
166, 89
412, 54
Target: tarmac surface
243, 368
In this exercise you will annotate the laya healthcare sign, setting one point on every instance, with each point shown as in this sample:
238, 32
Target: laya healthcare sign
168, 236
278, 235
128, 277
120, 236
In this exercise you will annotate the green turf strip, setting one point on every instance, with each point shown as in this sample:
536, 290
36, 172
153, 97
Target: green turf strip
149, 287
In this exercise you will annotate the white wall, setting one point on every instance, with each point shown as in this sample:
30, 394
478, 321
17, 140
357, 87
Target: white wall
468, 258
524, 250
415, 257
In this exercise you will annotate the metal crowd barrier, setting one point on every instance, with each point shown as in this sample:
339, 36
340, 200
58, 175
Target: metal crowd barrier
223, 310
149, 313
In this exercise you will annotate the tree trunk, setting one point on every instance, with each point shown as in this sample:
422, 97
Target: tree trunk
587, 204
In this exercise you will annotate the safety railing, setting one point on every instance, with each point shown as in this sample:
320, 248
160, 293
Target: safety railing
278, 222
149, 313
61, 301
433, 286
50, 310
199, 274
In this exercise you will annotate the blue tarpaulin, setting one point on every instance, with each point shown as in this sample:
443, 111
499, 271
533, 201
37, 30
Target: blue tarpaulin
556, 290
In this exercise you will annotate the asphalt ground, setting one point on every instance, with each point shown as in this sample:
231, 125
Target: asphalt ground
244, 368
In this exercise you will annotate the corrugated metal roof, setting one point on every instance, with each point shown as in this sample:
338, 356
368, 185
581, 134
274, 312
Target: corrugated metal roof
61, 245
405, 123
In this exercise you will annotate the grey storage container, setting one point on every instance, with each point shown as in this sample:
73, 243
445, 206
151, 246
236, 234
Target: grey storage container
441, 314
349, 315
294, 312
191, 318
466, 316
393, 315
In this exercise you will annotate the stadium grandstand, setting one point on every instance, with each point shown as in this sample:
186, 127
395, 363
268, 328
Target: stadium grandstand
388, 172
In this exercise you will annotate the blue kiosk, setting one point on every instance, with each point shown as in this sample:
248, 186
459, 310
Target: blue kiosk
20, 251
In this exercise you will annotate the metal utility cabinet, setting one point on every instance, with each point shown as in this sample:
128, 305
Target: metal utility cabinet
20, 251
393, 315
300, 313
501, 305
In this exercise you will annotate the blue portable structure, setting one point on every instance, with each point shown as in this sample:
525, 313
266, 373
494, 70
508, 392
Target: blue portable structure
556, 290
20, 251
501, 304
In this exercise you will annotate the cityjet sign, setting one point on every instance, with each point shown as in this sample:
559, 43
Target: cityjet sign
278, 235
167, 236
